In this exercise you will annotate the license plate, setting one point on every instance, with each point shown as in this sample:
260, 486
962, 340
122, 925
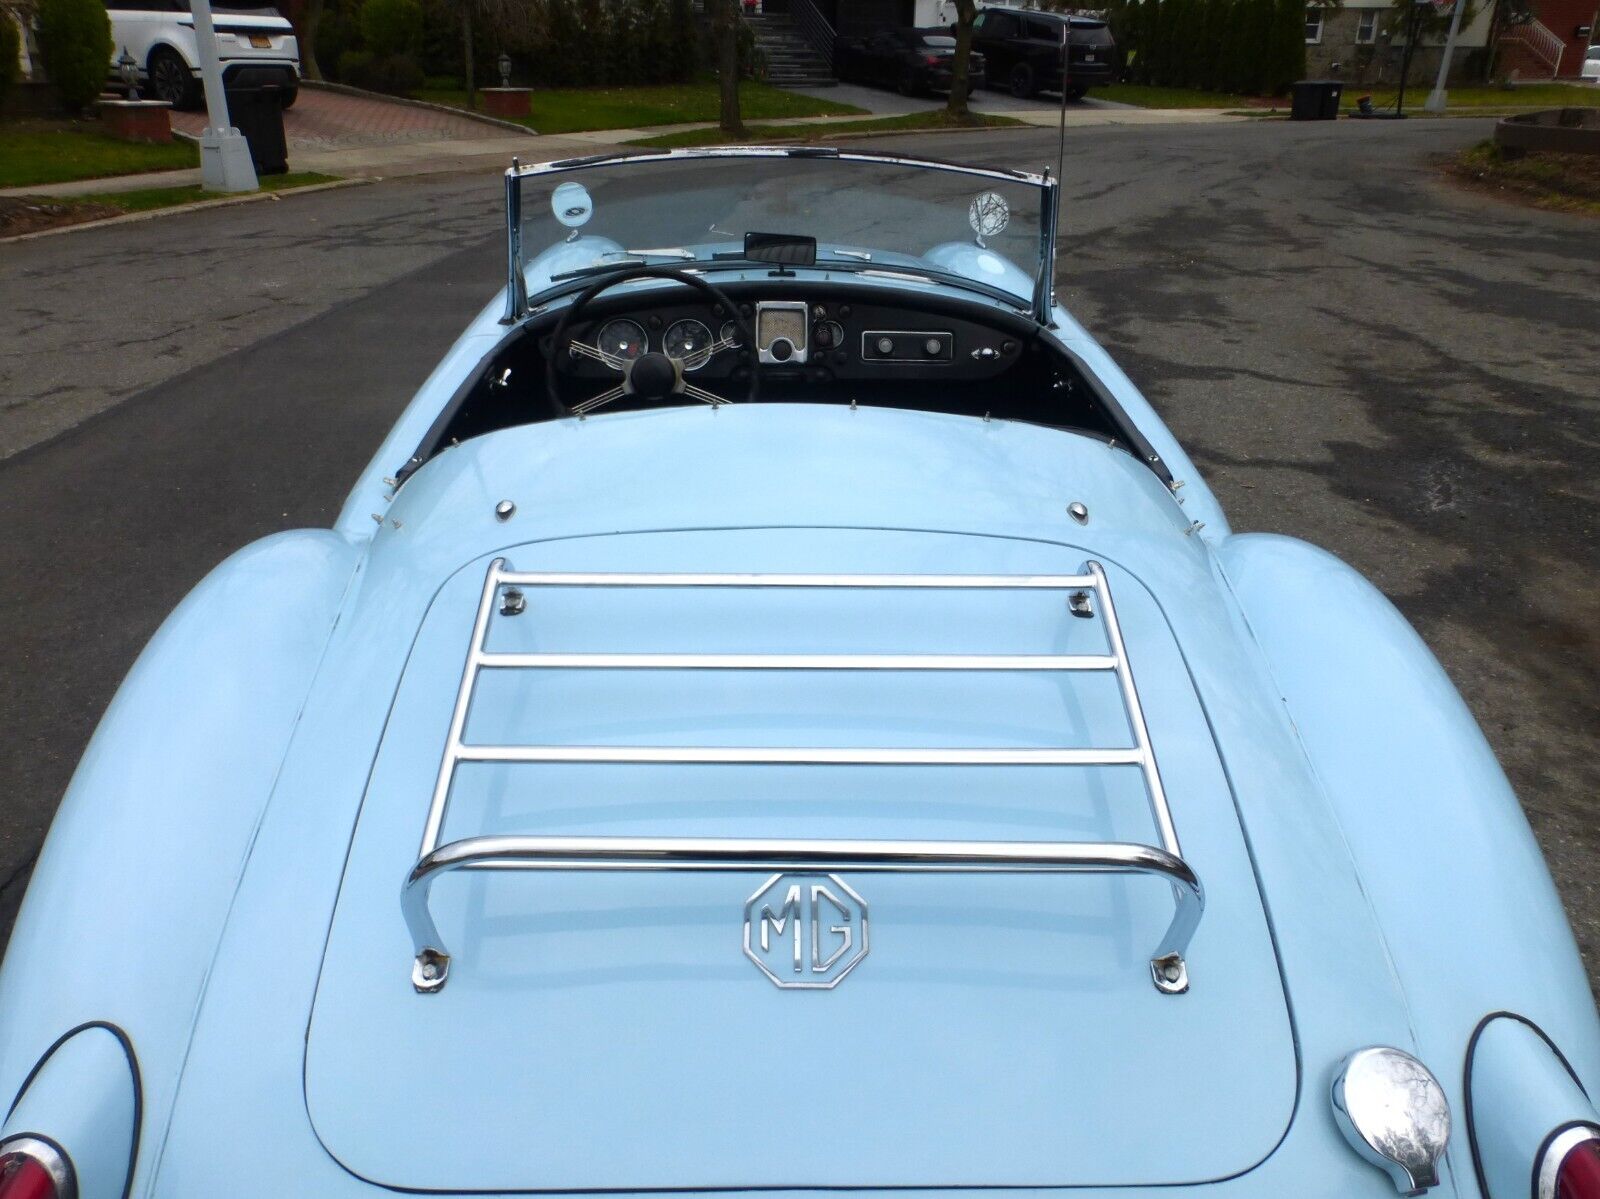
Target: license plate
1088, 57
261, 41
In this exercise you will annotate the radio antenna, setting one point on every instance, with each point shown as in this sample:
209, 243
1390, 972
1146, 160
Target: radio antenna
1061, 136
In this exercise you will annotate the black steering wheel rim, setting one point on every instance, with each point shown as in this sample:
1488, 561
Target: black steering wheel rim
560, 339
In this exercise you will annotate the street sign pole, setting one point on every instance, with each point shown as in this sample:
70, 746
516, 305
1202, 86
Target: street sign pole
225, 164
1438, 97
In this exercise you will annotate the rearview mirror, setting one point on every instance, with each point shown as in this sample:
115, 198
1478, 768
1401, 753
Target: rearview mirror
785, 249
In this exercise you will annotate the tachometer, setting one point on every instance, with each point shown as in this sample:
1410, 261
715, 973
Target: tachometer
730, 332
690, 342
622, 339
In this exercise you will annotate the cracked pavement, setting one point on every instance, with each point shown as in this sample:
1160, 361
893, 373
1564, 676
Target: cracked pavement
1354, 351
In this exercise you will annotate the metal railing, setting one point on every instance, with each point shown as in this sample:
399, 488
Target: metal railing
1540, 41
1088, 595
814, 27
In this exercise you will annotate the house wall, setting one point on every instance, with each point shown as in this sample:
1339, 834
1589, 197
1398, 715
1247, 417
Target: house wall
1563, 18
1338, 55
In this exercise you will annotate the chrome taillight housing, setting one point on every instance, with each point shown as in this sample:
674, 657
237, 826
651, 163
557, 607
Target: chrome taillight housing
33, 1168
1568, 1168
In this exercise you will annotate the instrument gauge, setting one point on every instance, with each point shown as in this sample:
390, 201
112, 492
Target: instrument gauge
622, 339
730, 332
689, 341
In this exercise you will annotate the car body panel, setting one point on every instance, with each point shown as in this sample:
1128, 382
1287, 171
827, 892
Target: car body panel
168, 23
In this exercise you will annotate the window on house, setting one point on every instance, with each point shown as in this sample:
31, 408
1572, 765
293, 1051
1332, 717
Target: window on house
1367, 27
1313, 24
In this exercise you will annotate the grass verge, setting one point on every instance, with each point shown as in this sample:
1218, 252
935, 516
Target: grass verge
910, 122
579, 109
1177, 97
1564, 182
29, 214
35, 152
1533, 95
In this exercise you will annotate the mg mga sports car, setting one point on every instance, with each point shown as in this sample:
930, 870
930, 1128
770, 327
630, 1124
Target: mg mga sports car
781, 713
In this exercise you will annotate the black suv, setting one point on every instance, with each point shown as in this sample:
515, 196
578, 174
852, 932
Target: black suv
1023, 51
913, 60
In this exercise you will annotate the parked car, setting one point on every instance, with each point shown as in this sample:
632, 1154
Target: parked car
913, 61
1023, 50
160, 37
1591, 63
781, 713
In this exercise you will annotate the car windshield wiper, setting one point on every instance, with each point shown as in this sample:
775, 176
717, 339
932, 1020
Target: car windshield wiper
619, 259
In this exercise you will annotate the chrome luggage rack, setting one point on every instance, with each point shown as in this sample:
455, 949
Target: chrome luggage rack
1087, 594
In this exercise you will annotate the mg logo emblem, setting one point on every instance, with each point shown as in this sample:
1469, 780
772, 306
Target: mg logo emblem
805, 931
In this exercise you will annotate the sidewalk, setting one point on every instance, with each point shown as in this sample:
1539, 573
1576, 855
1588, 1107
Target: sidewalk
396, 159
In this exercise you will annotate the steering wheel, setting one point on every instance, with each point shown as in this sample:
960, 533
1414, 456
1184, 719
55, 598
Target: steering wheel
651, 376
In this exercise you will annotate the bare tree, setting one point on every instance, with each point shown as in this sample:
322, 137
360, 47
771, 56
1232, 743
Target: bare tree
725, 33
310, 21
966, 14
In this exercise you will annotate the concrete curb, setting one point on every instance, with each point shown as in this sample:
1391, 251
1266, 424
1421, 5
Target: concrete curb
346, 89
131, 218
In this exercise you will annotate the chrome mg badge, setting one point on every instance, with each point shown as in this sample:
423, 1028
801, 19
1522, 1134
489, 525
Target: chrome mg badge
805, 931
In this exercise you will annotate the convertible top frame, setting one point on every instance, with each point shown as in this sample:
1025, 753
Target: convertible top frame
1043, 300
1087, 595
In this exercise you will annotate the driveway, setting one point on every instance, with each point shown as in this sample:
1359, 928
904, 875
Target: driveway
329, 120
1354, 352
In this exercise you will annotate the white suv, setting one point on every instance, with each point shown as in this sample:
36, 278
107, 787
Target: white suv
1591, 64
256, 45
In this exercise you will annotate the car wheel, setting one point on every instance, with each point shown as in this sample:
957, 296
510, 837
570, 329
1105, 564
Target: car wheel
1022, 85
171, 80
906, 85
1077, 93
287, 97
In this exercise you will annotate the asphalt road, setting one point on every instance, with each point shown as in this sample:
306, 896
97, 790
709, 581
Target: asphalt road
1354, 351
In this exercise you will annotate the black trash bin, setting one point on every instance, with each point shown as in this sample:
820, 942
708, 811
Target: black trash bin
257, 112
1316, 100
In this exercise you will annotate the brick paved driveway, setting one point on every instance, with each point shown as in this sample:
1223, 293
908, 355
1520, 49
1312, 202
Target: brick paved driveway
324, 120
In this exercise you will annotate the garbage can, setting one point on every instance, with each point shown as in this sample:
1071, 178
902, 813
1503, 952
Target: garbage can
1316, 100
257, 112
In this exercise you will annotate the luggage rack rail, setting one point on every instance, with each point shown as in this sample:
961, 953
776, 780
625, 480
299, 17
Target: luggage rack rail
1088, 595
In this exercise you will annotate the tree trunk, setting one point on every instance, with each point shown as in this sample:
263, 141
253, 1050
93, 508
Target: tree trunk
310, 19
956, 106
725, 32
467, 50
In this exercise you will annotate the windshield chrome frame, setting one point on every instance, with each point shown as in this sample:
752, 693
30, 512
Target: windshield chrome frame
1042, 300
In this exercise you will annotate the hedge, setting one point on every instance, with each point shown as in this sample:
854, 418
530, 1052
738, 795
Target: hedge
1251, 47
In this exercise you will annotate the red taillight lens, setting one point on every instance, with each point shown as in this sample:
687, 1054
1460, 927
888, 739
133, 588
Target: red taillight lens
933, 60
23, 1178
1578, 1177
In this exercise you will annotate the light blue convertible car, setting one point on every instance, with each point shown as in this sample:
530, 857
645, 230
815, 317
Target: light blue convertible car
780, 713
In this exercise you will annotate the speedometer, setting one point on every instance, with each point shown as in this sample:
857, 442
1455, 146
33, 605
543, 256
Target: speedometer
622, 339
689, 341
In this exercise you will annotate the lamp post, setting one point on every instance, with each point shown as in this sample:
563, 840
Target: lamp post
129, 70
504, 63
225, 163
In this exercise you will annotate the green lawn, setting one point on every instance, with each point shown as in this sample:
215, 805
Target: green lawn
37, 151
1534, 95
1145, 96
573, 109
165, 197
911, 121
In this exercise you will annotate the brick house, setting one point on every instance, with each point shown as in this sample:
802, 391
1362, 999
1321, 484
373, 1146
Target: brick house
1363, 42
1554, 44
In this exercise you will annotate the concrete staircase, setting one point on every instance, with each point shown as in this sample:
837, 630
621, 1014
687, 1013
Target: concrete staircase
792, 61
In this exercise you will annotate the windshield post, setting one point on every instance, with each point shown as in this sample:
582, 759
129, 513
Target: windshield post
516, 285
1044, 288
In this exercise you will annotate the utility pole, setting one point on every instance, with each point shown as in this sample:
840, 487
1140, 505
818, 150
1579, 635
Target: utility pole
1438, 97
225, 164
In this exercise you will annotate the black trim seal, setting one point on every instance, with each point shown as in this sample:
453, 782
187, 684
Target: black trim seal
138, 1091
1466, 1098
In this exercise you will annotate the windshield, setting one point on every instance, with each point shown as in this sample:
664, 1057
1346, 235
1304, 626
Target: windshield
972, 228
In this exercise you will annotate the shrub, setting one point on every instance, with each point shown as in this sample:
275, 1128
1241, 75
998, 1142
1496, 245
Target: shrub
396, 75
10, 48
391, 27
75, 43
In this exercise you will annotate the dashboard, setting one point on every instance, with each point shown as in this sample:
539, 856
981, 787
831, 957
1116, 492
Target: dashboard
812, 338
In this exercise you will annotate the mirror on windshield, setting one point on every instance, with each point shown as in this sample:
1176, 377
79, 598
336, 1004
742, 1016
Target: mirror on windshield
571, 204
786, 249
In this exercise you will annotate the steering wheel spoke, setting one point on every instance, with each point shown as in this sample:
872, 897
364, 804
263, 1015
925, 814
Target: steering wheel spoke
580, 349
700, 393
597, 401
